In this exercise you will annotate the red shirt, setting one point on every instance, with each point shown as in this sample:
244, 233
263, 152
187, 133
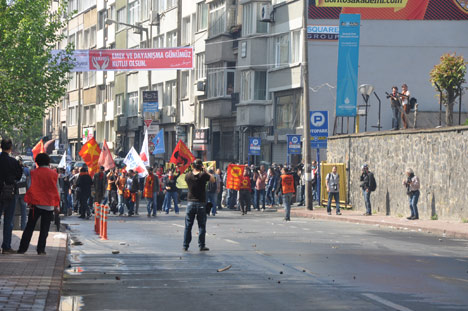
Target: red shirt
43, 190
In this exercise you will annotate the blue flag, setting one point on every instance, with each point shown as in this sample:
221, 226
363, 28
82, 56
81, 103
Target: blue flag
158, 142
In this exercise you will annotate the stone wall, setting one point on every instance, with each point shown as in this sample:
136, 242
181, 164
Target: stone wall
439, 157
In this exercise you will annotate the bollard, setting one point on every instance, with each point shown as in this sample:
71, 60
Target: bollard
97, 218
105, 209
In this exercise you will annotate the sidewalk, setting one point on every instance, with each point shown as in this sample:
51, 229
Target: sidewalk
30, 281
452, 229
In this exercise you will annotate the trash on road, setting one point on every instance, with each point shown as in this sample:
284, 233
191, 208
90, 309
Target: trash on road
224, 269
115, 252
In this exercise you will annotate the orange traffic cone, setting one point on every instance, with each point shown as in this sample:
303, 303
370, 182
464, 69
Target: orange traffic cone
97, 220
104, 222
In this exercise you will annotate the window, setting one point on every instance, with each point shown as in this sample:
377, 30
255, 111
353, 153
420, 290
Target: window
201, 68
186, 34
79, 40
72, 114
89, 79
296, 46
110, 92
92, 37
171, 39
101, 19
144, 9
217, 24
202, 16
160, 5
220, 79
170, 94
132, 104
64, 103
134, 12
282, 50
72, 85
252, 19
158, 42
101, 94
287, 108
171, 3
184, 85
253, 85
119, 104
121, 18
111, 12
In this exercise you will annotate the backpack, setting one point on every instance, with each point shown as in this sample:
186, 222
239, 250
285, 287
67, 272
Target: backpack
412, 103
211, 187
372, 182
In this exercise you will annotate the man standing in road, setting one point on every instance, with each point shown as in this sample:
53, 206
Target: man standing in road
333, 189
83, 188
10, 173
368, 185
100, 185
260, 177
196, 182
287, 189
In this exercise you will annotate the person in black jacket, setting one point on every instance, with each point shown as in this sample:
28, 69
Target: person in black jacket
170, 189
83, 188
10, 173
134, 188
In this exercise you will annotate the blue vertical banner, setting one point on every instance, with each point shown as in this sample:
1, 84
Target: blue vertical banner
348, 61
318, 129
294, 144
255, 144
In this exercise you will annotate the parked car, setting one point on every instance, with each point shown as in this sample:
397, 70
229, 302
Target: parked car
55, 160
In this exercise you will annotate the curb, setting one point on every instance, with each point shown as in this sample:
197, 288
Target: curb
394, 225
55, 292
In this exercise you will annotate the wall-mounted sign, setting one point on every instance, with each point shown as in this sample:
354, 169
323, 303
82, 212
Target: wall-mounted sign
323, 32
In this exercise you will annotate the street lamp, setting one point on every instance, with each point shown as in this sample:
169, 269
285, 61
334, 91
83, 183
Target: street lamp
366, 91
148, 43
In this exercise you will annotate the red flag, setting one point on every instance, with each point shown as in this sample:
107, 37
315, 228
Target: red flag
182, 157
90, 153
234, 176
105, 158
38, 148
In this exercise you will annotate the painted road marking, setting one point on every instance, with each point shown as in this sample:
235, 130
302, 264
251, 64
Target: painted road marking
231, 241
177, 225
387, 302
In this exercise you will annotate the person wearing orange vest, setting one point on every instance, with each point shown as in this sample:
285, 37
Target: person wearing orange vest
245, 191
150, 192
287, 188
42, 197
121, 182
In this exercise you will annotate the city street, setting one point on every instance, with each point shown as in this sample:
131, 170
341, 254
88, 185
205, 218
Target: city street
304, 264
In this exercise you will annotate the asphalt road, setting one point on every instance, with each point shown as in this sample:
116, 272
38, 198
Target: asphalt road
304, 264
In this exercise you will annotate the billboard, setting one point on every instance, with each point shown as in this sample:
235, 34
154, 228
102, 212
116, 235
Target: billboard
390, 9
131, 59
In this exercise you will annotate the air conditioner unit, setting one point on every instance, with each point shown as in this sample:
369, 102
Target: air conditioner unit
266, 13
137, 31
155, 18
201, 86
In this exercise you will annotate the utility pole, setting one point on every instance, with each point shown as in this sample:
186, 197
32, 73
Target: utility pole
305, 110
179, 40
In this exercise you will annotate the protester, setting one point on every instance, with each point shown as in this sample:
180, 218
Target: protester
83, 188
333, 189
368, 185
150, 192
64, 188
245, 192
412, 185
100, 185
287, 189
121, 182
219, 191
73, 190
112, 195
133, 184
21, 187
42, 197
10, 173
271, 187
211, 194
196, 181
170, 186
260, 176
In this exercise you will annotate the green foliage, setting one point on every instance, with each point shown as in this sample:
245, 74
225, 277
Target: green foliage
435, 217
464, 220
466, 122
31, 79
448, 77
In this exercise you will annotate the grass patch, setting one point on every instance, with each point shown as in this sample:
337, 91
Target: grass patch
464, 220
435, 217
400, 215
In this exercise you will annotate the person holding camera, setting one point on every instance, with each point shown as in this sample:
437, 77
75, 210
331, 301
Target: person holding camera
196, 181
333, 189
287, 188
395, 104
412, 190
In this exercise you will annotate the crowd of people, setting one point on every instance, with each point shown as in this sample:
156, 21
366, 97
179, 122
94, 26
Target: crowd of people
45, 191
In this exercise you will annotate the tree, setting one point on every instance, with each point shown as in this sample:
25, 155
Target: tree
448, 77
31, 79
